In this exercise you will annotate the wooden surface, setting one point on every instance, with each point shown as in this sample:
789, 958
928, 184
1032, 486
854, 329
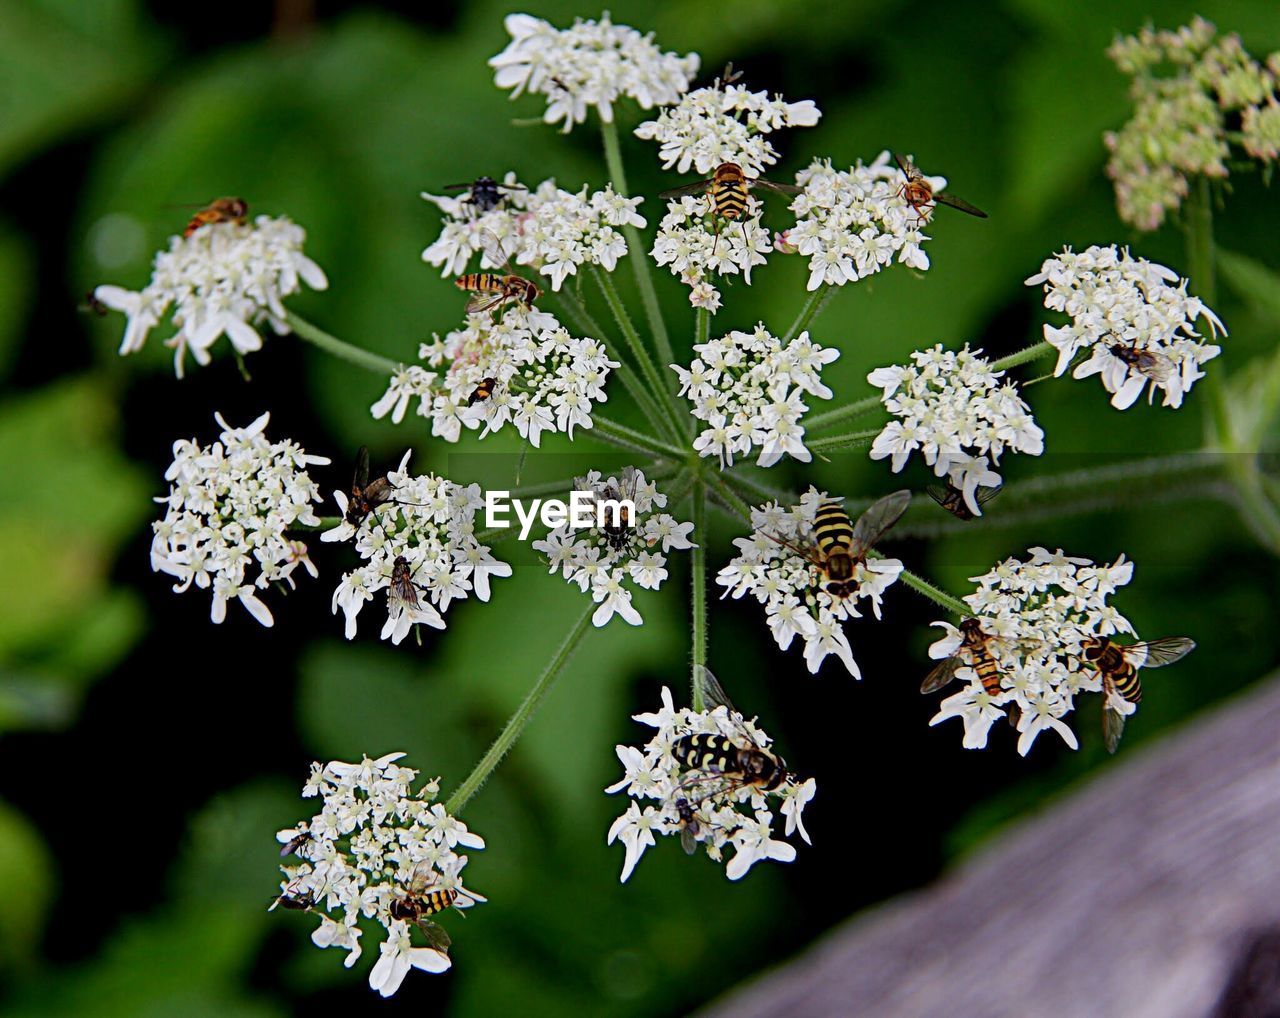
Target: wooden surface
1154, 890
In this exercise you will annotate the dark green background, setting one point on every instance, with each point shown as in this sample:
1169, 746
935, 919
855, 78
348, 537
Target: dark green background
147, 757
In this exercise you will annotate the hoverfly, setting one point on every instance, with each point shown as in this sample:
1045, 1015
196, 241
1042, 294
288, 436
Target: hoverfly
727, 190
1144, 362
917, 192
618, 526
975, 651
1118, 665
952, 500
484, 194
482, 391
295, 843
418, 901
841, 546
491, 290
723, 764
221, 210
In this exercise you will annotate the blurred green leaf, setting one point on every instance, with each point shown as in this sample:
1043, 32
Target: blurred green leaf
15, 289
27, 878
1257, 284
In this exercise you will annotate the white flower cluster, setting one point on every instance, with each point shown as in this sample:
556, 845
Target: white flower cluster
373, 851
590, 64
550, 229
429, 523
1036, 614
632, 549
543, 379
958, 413
852, 223
748, 388
715, 811
224, 279
1134, 318
724, 124
774, 566
229, 508
696, 245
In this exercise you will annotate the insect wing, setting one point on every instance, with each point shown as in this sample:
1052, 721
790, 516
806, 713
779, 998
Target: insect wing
436, 935
679, 192
688, 840
492, 248
361, 479
773, 185
1158, 653
713, 692
942, 674
1154, 367
1112, 728
906, 166
482, 302
959, 203
878, 519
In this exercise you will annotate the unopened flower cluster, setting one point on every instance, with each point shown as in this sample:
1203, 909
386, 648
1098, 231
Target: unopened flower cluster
1179, 128
852, 223
771, 568
1133, 317
748, 388
724, 124
633, 551
958, 414
591, 64
548, 228
228, 512
375, 842
224, 279
542, 378
1038, 612
430, 523
666, 801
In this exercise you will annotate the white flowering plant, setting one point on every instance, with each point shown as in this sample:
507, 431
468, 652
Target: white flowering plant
551, 351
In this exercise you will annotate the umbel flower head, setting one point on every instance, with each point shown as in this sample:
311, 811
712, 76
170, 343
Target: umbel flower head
711, 778
629, 549
590, 64
548, 229
1186, 85
852, 223
377, 850
777, 565
958, 414
228, 512
1133, 318
539, 378
225, 279
419, 547
697, 246
749, 391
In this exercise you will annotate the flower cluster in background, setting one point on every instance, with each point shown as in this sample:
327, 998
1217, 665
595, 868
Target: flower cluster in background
1187, 85
958, 414
1133, 317
224, 279
372, 851
429, 523
229, 508
1037, 614
605, 562
540, 378
713, 812
748, 388
852, 223
591, 64
774, 567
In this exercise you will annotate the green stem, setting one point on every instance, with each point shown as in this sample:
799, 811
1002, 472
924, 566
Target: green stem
304, 330
936, 594
849, 440
1201, 271
701, 326
750, 487
842, 414
698, 599
507, 738
726, 496
1025, 356
813, 305
636, 441
636, 250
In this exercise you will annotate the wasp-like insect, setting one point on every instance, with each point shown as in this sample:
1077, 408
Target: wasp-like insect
1118, 665
484, 194
221, 210
482, 391
419, 900
728, 188
917, 192
840, 546
952, 500
491, 290
718, 765
1144, 362
975, 651
619, 523
295, 843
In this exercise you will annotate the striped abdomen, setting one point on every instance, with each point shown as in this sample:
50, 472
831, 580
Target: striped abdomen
481, 282
437, 901
986, 666
833, 532
729, 198
1123, 675
706, 751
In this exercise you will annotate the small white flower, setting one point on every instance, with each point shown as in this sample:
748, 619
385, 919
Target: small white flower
960, 416
226, 279
1133, 318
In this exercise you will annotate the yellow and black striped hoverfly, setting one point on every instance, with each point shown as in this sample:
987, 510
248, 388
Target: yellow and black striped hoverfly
1118, 665
975, 651
727, 189
221, 210
490, 290
917, 192
841, 546
952, 500
420, 899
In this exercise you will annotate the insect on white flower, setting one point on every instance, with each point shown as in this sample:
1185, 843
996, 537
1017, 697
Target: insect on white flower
378, 850
228, 513
224, 279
